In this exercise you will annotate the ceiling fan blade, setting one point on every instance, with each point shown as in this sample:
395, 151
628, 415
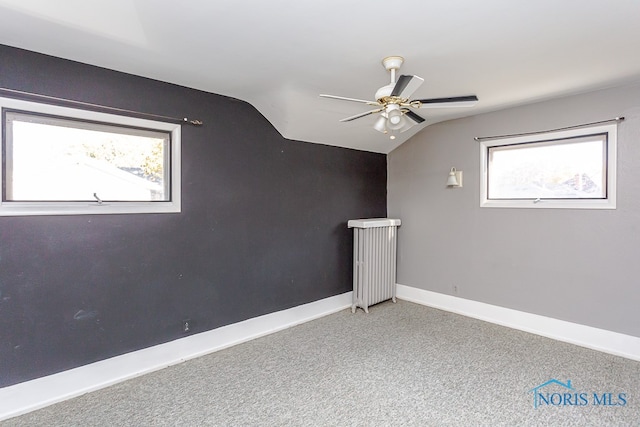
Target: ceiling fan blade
357, 116
413, 116
406, 85
456, 101
349, 99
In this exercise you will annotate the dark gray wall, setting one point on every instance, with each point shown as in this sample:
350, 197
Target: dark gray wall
571, 264
262, 228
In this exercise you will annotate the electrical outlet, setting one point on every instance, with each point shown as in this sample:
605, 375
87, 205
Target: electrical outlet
455, 289
186, 326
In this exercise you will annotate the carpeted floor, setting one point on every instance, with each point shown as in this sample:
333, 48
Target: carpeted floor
400, 365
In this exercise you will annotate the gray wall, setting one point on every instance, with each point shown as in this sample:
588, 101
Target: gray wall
263, 228
581, 266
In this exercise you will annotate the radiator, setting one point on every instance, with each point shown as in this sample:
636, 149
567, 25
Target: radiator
374, 261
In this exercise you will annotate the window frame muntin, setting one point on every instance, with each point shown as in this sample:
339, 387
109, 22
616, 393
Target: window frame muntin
569, 203
28, 208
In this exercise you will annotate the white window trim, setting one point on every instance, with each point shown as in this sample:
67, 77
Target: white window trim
608, 203
10, 208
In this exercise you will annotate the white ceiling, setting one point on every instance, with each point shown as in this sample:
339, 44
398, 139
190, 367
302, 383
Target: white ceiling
279, 55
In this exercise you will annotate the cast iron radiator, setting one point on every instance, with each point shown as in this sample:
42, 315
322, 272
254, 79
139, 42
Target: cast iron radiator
374, 261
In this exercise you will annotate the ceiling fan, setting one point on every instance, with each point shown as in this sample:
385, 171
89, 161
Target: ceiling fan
394, 105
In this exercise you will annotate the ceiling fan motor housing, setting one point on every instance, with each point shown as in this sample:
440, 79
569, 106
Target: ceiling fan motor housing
384, 91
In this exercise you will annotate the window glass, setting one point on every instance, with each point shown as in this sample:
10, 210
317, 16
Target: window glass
561, 169
63, 160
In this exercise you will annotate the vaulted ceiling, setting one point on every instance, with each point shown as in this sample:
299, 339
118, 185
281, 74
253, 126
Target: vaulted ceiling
279, 55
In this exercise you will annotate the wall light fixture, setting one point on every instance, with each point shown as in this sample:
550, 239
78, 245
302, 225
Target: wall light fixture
455, 178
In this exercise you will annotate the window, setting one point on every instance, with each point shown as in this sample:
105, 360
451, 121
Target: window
61, 161
565, 169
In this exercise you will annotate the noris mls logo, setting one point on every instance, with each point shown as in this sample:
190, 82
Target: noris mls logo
557, 393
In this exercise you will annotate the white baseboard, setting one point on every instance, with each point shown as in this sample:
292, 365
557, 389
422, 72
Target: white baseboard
31, 395
586, 336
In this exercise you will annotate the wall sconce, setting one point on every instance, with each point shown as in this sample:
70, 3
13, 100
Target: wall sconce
455, 178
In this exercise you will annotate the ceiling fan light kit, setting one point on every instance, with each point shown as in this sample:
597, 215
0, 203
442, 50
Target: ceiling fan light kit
395, 121
393, 104
381, 124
